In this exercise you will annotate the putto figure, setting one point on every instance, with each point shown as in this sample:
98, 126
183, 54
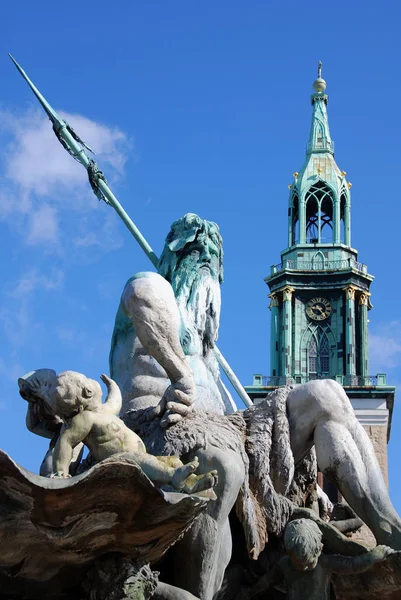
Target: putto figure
163, 361
306, 571
41, 420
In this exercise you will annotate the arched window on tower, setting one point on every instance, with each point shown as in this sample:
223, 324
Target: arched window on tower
343, 209
295, 218
312, 221
319, 214
319, 355
319, 135
312, 357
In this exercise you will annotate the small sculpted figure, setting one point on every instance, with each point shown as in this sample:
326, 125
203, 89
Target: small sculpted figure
78, 400
41, 420
306, 571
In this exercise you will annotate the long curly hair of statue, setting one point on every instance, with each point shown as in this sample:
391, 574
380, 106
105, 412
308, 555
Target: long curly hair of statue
303, 537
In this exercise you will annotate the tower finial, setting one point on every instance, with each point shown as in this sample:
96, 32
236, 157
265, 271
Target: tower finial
319, 84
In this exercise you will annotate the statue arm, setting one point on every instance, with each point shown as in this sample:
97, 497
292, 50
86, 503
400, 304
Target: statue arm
74, 433
332, 537
357, 564
269, 580
114, 400
150, 303
36, 425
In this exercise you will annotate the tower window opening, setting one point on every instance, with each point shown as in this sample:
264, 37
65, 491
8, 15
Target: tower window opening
312, 357
295, 219
343, 209
319, 356
319, 214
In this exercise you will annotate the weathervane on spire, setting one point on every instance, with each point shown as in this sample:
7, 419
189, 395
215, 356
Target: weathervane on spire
319, 69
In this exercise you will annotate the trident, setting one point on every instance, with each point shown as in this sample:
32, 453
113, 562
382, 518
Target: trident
75, 146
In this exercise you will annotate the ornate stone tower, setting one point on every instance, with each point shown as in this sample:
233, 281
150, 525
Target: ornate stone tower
319, 293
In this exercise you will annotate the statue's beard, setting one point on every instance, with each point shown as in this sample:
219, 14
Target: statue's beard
197, 291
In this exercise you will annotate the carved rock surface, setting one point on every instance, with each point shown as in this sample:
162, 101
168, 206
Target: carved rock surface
52, 530
381, 582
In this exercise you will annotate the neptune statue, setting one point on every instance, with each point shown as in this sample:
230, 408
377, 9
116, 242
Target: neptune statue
162, 359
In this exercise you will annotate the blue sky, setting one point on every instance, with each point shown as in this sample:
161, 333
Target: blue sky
191, 107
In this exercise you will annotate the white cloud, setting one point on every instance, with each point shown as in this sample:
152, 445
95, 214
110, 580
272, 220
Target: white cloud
38, 163
385, 346
41, 181
33, 280
16, 318
43, 226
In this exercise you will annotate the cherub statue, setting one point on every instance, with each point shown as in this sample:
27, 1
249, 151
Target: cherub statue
41, 420
78, 401
306, 571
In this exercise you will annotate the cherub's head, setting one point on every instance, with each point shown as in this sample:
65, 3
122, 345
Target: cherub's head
72, 393
303, 543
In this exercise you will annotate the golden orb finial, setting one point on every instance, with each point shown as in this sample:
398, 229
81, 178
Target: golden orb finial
319, 84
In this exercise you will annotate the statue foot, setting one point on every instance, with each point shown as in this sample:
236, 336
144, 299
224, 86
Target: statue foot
182, 473
199, 483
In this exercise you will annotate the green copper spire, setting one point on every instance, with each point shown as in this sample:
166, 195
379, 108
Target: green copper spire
319, 291
320, 202
319, 138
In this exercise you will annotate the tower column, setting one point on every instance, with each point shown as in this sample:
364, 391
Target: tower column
302, 221
336, 221
350, 367
363, 324
347, 224
286, 328
274, 334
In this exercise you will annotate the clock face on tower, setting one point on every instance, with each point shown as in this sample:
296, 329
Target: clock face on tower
318, 309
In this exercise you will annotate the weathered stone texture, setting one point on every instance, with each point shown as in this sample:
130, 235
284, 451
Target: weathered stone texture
378, 436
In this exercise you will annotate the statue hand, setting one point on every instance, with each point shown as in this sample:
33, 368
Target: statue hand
177, 401
381, 552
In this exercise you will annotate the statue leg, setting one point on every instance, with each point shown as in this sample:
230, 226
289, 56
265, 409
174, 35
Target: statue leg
205, 551
321, 414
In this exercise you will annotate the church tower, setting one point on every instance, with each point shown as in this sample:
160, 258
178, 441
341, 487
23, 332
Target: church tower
320, 292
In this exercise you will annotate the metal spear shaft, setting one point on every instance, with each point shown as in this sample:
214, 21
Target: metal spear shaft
76, 147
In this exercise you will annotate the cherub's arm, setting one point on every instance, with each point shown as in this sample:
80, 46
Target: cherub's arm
269, 580
114, 400
36, 425
357, 564
74, 433
333, 539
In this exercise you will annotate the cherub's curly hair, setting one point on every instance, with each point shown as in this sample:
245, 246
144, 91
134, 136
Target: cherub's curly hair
304, 537
183, 232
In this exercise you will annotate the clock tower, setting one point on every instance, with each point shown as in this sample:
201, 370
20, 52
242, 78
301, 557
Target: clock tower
320, 292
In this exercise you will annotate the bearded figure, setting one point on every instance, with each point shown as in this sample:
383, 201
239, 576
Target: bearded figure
167, 325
